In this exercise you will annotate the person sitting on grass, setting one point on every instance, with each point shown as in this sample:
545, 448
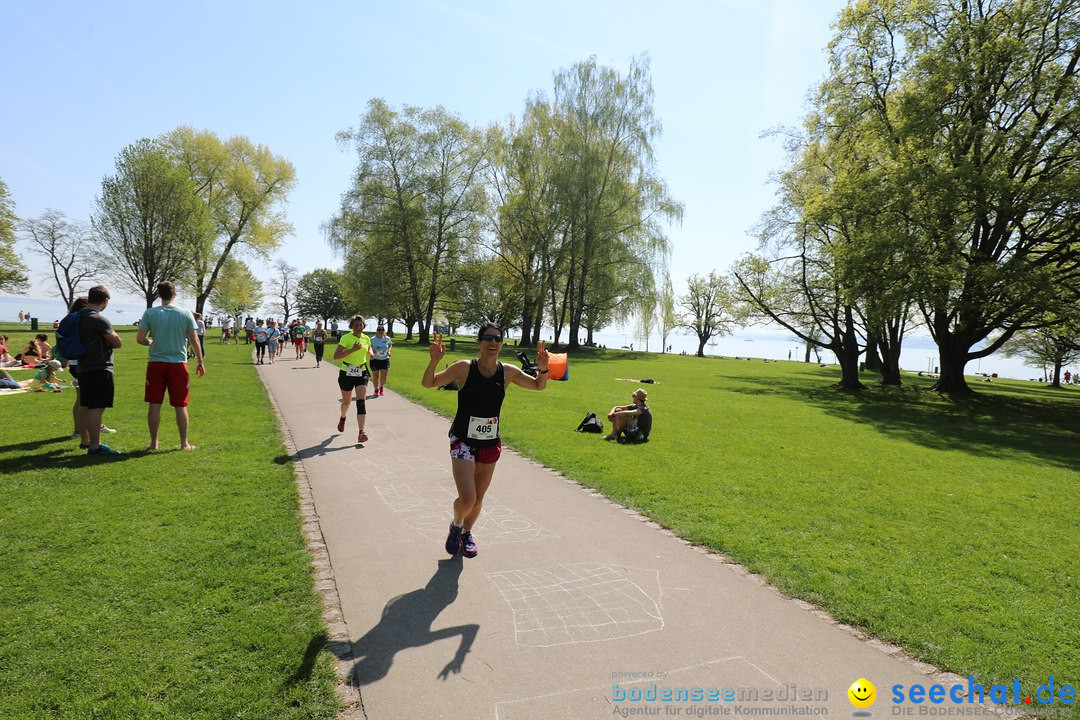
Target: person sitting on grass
47, 378
632, 422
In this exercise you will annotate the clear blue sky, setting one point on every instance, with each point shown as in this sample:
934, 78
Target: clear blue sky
82, 80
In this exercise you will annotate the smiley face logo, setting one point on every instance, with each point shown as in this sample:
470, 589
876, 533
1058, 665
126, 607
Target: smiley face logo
862, 693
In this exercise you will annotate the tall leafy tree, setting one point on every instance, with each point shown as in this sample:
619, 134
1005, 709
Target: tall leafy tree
526, 217
244, 186
1055, 345
68, 246
14, 276
707, 308
978, 104
319, 295
416, 200
148, 219
239, 290
799, 279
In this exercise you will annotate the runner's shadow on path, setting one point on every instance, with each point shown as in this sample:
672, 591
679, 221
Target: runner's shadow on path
319, 450
407, 621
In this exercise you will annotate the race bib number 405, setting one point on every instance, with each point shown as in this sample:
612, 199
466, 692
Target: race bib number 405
483, 428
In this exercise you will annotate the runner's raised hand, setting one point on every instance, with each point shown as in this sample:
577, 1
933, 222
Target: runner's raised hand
436, 349
541, 356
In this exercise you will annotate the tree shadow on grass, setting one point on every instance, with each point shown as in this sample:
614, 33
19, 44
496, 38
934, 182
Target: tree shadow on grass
1000, 425
33, 444
79, 461
407, 621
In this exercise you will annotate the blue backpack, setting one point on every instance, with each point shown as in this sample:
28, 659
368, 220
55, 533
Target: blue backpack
68, 342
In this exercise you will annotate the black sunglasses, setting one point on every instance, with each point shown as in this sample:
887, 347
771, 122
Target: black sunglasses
491, 338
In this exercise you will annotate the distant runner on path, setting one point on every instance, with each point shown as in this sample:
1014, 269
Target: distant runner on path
475, 443
381, 345
318, 341
352, 354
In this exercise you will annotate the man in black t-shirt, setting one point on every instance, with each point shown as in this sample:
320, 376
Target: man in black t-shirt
96, 367
634, 422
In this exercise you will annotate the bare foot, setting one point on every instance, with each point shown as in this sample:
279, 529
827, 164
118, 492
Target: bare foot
188, 446
152, 446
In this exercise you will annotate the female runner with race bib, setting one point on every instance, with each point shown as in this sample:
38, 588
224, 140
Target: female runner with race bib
475, 443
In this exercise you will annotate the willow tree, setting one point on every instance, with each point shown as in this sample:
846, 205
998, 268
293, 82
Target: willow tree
615, 202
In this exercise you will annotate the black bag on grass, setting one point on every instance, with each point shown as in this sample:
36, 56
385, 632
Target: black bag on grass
591, 424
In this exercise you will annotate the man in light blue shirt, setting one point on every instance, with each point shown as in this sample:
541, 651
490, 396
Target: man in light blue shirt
168, 330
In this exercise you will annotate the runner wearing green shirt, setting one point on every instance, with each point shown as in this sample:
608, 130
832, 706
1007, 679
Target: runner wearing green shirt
352, 355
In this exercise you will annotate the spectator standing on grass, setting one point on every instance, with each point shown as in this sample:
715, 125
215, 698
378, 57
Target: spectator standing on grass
249, 330
226, 328
167, 330
96, 368
200, 330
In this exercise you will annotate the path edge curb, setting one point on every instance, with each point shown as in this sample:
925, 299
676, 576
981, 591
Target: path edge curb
338, 642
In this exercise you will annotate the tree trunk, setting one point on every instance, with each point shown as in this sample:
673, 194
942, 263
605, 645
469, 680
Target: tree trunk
873, 360
1057, 374
890, 366
953, 358
702, 339
806, 357
526, 324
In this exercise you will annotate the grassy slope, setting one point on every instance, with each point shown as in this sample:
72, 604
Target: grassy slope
946, 527
164, 584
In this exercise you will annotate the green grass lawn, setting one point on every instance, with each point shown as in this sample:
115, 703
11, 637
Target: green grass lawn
156, 585
947, 527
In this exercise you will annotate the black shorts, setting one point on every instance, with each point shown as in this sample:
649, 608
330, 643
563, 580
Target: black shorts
96, 389
347, 383
377, 364
73, 371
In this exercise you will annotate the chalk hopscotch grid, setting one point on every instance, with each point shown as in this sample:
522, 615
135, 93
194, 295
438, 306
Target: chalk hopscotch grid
577, 602
428, 514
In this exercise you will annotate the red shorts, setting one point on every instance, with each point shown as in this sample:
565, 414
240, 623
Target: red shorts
298, 341
162, 375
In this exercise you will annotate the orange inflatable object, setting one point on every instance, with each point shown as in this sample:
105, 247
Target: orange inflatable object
558, 367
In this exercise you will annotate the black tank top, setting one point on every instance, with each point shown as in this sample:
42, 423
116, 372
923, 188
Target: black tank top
479, 403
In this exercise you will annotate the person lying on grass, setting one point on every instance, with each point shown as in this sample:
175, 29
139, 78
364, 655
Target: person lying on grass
634, 421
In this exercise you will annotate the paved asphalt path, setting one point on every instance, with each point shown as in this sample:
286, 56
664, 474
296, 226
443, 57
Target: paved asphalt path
574, 606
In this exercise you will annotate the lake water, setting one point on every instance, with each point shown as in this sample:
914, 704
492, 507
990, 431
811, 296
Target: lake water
919, 353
